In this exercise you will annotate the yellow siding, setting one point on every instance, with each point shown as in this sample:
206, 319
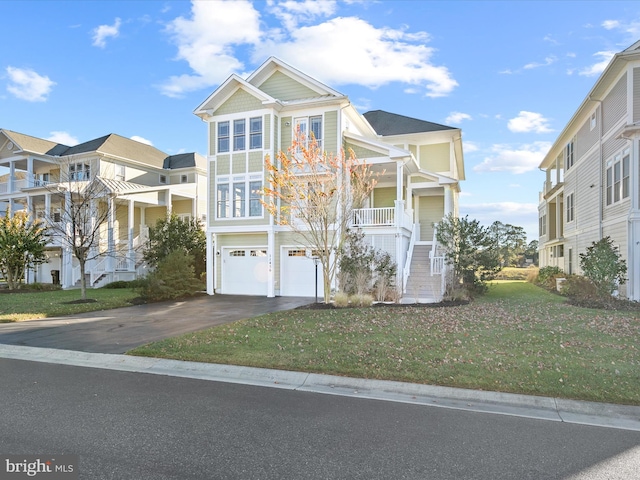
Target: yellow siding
282, 87
384, 197
223, 165
414, 150
266, 133
331, 132
241, 101
362, 152
212, 195
435, 158
181, 206
153, 214
239, 163
212, 138
286, 133
431, 211
255, 161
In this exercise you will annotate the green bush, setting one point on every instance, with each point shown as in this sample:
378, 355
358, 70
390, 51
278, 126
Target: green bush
173, 278
41, 287
583, 292
602, 263
124, 284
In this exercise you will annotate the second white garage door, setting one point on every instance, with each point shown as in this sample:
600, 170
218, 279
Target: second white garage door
244, 271
297, 274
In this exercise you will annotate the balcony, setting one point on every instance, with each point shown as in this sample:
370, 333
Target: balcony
383, 217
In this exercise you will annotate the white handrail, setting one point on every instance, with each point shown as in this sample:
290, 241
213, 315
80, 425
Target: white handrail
407, 264
365, 217
437, 262
97, 271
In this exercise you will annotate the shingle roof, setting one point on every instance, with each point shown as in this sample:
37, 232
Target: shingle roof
385, 123
116, 145
34, 144
181, 160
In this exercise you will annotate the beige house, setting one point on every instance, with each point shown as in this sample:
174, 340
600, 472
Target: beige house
141, 185
592, 187
248, 119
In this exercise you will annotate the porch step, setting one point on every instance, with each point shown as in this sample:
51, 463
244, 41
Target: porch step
422, 287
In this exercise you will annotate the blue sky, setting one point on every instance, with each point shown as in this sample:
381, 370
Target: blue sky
510, 74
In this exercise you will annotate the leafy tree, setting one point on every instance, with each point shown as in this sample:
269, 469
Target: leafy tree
174, 277
315, 194
510, 241
174, 234
601, 264
470, 250
22, 245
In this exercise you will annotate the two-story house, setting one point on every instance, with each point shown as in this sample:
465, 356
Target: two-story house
592, 187
140, 183
420, 165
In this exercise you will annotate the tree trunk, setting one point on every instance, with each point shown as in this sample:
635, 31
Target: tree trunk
83, 280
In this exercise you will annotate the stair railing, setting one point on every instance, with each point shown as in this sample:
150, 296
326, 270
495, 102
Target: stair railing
407, 265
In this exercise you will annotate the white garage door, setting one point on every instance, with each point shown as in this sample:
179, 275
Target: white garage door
244, 271
297, 276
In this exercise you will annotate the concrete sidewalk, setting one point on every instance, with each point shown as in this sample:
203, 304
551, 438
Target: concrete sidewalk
544, 408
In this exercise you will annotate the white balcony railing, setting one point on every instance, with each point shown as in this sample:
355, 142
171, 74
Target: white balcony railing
372, 217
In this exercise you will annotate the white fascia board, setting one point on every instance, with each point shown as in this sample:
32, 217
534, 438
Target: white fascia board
225, 91
233, 229
376, 144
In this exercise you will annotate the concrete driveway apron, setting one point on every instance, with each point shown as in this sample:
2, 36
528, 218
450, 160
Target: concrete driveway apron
121, 329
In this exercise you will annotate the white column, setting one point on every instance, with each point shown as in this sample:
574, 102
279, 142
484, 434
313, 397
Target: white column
47, 205
12, 178
169, 203
448, 200
130, 227
271, 250
30, 175
110, 238
210, 264
399, 181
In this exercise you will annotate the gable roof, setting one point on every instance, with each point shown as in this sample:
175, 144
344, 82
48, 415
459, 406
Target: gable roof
183, 160
386, 124
34, 144
117, 146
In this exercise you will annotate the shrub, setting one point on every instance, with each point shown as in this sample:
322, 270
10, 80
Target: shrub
582, 292
173, 278
124, 284
41, 287
364, 300
341, 300
601, 263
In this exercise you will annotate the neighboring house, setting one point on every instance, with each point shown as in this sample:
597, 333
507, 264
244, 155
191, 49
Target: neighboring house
421, 165
143, 185
592, 187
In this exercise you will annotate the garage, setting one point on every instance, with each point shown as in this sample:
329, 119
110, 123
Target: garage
298, 274
244, 271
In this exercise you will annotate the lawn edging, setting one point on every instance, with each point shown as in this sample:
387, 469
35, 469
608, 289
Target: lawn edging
529, 406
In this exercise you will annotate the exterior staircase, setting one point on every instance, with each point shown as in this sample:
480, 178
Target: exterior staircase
422, 287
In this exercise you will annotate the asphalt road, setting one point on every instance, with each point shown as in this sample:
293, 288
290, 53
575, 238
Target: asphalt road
140, 426
121, 329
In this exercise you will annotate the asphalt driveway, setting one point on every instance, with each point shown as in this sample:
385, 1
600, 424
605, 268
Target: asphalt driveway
121, 329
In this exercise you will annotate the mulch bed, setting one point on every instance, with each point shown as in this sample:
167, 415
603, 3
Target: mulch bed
330, 306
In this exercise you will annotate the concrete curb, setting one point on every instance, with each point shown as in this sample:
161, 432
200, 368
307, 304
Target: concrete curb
545, 408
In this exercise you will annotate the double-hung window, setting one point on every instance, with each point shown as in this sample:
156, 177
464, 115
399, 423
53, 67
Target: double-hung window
239, 197
223, 137
79, 172
255, 133
222, 199
570, 202
255, 206
617, 177
239, 191
239, 137
310, 127
569, 155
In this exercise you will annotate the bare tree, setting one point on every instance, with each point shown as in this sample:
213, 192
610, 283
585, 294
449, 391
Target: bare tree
85, 206
315, 194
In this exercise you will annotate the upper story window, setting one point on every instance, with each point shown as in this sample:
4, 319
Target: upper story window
593, 121
223, 137
617, 177
239, 135
255, 133
570, 202
120, 172
163, 179
310, 126
184, 179
569, 155
79, 172
239, 196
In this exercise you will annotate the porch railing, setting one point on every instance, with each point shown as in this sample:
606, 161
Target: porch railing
415, 233
372, 217
437, 262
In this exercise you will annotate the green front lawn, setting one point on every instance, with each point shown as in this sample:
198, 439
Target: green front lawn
16, 307
518, 338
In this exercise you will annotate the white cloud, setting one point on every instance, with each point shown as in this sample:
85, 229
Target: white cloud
547, 61
549, 38
455, 118
101, 33
470, 147
523, 215
598, 67
527, 122
522, 159
27, 85
375, 57
611, 24
142, 140
64, 138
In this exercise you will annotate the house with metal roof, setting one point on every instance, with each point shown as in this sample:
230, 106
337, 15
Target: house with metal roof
419, 164
592, 184
140, 183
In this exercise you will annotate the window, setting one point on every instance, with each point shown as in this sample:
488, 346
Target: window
79, 171
570, 208
239, 135
41, 179
297, 253
255, 133
223, 137
240, 198
258, 253
543, 225
120, 173
237, 253
308, 126
569, 156
593, 122
617, 177
223, 200
163, 179
184, 179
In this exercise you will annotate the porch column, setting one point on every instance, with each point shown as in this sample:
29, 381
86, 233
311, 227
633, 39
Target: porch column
399, 181
169, 203
271, 250
12, 180
130, 227
30, 175
210, 264
30, 211
194, 209
47, 206
448, 200
110, 239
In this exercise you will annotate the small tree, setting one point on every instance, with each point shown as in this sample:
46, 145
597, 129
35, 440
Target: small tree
601, 264
470, 250
86, 205
173, 233
315, 194
22, 245
174, 277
